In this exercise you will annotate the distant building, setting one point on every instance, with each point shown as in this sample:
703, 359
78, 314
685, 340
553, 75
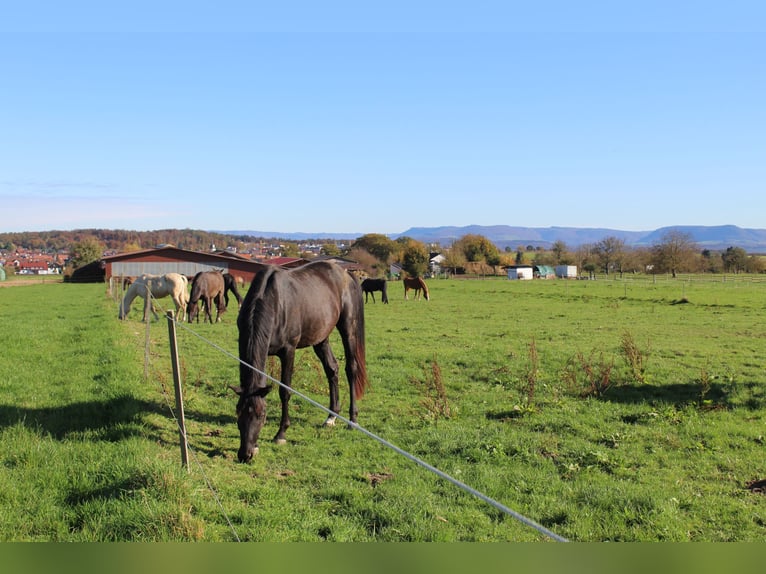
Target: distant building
566, 271
174, 260
520, 272
544, 272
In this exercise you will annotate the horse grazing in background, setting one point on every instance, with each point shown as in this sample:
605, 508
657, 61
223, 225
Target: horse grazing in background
369, 286
418, 285
173, 284
230, 284
208, 287
285, 310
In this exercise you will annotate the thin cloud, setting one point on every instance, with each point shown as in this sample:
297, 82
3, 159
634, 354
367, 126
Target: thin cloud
40, 213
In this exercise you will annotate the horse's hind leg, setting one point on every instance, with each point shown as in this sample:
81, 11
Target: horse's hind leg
208, 309
330, 364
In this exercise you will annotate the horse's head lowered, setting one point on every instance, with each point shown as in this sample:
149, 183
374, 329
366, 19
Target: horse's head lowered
251, 414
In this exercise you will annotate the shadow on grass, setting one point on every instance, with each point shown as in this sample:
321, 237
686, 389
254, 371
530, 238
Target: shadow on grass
113, 418
748, 395
675, 394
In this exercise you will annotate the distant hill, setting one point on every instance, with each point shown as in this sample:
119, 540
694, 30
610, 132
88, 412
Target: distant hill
707, 237
292, 236
717, 237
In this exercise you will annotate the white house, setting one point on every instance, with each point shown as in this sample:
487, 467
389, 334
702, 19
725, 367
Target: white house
435, 264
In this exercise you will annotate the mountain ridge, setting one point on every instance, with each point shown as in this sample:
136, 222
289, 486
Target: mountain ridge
714, 237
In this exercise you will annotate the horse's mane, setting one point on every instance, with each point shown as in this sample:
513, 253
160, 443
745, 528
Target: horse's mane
257, 306
423, 286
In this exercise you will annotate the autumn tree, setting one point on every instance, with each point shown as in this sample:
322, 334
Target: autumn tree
755, 264
290, 249
87, 250
372, 266
561, 255
734, 259
610, 252
711, 261
478, 248
330, 250
585, 258
675, 252
415, 258
378, 245
454, 259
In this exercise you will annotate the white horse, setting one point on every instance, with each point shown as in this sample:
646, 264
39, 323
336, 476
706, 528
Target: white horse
173, 284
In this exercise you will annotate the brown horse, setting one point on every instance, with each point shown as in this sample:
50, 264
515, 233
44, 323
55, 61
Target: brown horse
207, 286
418, 285
369, 286
285, 310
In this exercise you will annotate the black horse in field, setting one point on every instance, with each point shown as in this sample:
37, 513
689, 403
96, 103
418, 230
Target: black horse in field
285, 310
230, 284
369, 286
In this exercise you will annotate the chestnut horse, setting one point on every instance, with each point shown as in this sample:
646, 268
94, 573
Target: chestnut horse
417, 284
285, 310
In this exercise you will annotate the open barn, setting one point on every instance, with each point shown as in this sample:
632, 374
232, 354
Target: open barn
174, 260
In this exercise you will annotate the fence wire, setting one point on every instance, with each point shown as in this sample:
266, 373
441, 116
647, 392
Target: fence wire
441, 474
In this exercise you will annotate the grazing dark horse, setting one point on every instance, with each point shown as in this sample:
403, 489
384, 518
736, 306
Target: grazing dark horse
207, 286
417, 284
230, 284
369, 286
285, 310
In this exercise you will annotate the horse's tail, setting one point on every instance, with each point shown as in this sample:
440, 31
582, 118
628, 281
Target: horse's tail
361, 382
230, 284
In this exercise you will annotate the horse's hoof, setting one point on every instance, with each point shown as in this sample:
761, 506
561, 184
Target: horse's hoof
280, 441
330, 422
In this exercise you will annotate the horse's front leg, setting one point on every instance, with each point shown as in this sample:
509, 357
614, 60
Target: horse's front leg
330, 364
287, 359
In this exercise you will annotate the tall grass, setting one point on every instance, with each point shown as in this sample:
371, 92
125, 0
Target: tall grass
88, 447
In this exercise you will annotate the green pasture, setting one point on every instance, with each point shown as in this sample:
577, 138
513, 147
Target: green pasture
608, 410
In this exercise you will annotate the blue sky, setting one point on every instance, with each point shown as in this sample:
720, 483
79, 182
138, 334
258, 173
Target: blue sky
374, 117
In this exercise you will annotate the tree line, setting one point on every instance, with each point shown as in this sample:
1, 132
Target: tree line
675, 252
119, 240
